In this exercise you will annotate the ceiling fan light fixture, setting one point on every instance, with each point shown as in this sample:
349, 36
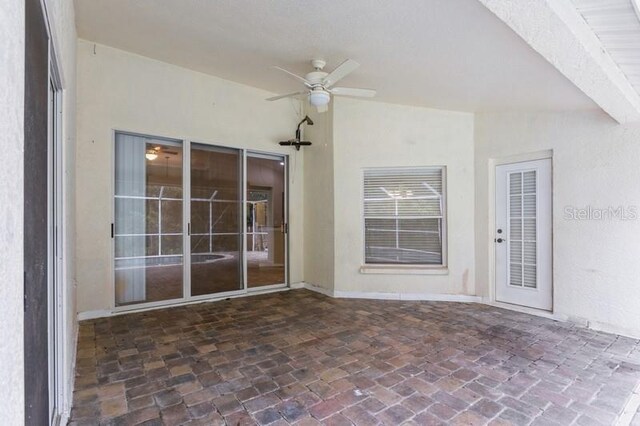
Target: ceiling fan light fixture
319, 97
319, 84
151, 154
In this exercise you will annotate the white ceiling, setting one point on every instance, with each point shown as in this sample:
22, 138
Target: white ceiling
449, 54
616, 24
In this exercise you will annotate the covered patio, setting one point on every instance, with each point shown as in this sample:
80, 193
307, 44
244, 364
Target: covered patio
298, 357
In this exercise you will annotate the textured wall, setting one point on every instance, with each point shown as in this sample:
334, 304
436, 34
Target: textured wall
556, 30
11, 212
318, 201
120, 90
373, 134
595, 163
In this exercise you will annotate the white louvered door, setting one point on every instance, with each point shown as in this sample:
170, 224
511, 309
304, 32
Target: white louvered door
523, 234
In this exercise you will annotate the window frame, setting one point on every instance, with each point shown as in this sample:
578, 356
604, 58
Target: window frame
399, 268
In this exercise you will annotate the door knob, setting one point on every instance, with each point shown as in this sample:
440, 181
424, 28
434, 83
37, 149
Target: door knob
499, 240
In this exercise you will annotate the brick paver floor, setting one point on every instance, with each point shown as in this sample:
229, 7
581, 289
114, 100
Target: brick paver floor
303, 358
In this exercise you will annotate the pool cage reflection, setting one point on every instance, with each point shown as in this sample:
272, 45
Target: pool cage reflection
166, 250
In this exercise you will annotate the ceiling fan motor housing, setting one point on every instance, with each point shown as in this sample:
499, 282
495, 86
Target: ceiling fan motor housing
315, 77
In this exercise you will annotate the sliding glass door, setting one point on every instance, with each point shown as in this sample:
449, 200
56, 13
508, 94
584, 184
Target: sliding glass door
216, 225
266, 220
230, 234
148, 228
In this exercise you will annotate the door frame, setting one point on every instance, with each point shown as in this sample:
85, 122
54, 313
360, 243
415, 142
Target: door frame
56, 249
59, 353
186, 298
64, 353
186, 218
492, 164
269, 156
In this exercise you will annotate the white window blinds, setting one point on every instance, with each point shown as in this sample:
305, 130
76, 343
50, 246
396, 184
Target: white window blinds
404, 215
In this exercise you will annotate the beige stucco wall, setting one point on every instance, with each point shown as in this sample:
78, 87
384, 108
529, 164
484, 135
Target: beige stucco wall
374, 134
318, 201
11, 212
595, 163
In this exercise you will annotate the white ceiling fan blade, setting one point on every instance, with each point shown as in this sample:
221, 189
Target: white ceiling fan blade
296, 76
350, 91
288, 95
339, 73
323, 108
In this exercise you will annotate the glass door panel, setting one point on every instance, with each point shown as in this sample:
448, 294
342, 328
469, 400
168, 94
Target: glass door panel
266, 220
148, 219
216, 226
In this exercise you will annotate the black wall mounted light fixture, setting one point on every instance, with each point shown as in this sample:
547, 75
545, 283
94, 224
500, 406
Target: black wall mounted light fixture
297, 142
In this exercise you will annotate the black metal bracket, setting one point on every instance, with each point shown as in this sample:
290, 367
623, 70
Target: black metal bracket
297, 142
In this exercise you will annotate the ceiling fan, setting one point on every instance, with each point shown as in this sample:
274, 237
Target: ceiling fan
152, 153
319, 84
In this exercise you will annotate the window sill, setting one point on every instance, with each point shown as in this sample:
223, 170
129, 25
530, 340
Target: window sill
404, 270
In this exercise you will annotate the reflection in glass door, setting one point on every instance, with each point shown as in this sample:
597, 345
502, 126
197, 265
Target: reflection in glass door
266, 220
231, 230
216, 225
147, 228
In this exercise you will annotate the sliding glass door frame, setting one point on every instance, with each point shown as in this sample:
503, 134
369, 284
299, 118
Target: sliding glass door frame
186, 226
187, 218
285, 159
112, 289
245, 268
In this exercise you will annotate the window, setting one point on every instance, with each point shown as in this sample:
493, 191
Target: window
404, 216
